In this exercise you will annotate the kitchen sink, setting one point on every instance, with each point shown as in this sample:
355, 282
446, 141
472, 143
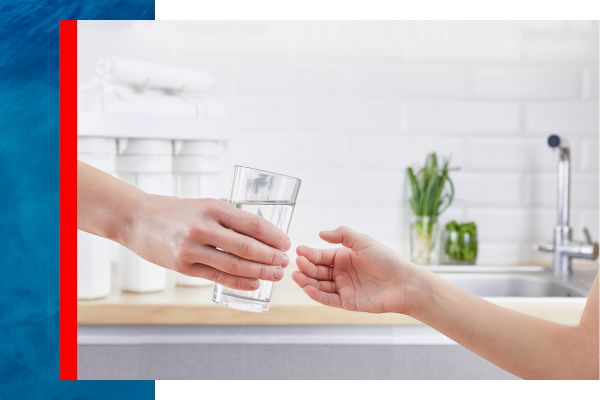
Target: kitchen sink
511, 282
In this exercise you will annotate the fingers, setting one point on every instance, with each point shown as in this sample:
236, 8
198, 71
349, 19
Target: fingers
319, 272
317, 256
234, 265
254, 226
223, 278
346, 236
323, 292
328, 299
247, 247
302, 280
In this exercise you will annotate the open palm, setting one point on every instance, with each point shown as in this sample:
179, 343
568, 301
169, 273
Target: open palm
363, 275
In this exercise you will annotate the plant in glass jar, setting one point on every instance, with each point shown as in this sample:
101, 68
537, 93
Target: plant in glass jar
460, 243
432, 192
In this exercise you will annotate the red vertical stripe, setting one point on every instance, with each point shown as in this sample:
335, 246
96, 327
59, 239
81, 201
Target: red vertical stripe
68, 199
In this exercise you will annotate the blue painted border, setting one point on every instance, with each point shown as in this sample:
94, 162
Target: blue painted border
29, 199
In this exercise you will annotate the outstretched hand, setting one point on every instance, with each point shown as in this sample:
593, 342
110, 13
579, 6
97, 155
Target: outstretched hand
362, 275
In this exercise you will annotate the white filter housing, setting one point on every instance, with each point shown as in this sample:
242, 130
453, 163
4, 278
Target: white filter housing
94, 252
197, 167
146, 164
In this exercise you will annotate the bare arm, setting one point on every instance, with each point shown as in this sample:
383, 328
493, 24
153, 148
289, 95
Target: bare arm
525, 346
106, 206
364, 275
185, 235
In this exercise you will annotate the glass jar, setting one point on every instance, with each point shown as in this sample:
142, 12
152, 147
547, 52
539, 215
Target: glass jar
423, 235
460, 243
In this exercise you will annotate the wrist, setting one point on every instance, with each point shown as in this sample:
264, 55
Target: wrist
134, 209
417, 288
428, 287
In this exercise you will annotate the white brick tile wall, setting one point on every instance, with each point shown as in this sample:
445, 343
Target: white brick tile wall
456, 41
399, 152
560, 48
346, 106
415, 81
516, 154
513, 224
463, 117
566, 118
259, 114
290, 152
290, 79
349, 115
542, 221
543, 26
351, 187
581, 26
526, 83
540, 190
587, 154
359, 41
590, 83
380, 222
236, 41
489, 189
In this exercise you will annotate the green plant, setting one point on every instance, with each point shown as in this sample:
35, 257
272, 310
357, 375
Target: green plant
432, 188
461, 242
432, 192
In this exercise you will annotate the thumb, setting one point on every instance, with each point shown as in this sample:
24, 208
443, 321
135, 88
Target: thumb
347, 237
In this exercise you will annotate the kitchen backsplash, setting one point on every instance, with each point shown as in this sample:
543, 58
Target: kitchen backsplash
347, 106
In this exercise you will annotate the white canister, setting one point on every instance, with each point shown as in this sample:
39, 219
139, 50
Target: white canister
146, 164
94, 252
197, 167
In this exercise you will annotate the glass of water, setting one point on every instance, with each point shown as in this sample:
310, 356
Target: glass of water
273, 197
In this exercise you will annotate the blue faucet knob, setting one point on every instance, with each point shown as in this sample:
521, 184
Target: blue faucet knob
553, 140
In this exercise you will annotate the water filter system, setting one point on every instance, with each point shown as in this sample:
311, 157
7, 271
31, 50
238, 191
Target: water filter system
161, 150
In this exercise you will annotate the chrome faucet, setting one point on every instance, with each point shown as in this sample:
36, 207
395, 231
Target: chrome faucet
563, 247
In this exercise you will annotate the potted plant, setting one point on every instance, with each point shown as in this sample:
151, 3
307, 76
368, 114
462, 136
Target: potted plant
432, 192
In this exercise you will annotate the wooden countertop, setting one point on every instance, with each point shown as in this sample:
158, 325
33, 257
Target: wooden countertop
289, 306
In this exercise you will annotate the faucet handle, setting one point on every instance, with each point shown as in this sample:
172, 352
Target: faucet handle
545, 247
594, 245
588, 237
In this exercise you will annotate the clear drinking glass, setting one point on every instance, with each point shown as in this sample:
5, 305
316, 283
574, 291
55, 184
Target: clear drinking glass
273, 197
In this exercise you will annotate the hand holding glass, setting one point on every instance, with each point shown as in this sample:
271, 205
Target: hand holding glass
273, 197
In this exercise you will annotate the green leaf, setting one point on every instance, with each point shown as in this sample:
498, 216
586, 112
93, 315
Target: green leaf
416, 192
431, 187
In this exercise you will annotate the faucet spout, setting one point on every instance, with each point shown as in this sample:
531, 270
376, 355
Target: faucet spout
564, 178
564, 186
563, 247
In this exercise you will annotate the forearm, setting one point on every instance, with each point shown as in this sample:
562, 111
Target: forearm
523, 345
106, 206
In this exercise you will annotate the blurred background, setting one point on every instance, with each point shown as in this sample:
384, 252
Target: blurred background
347, 106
